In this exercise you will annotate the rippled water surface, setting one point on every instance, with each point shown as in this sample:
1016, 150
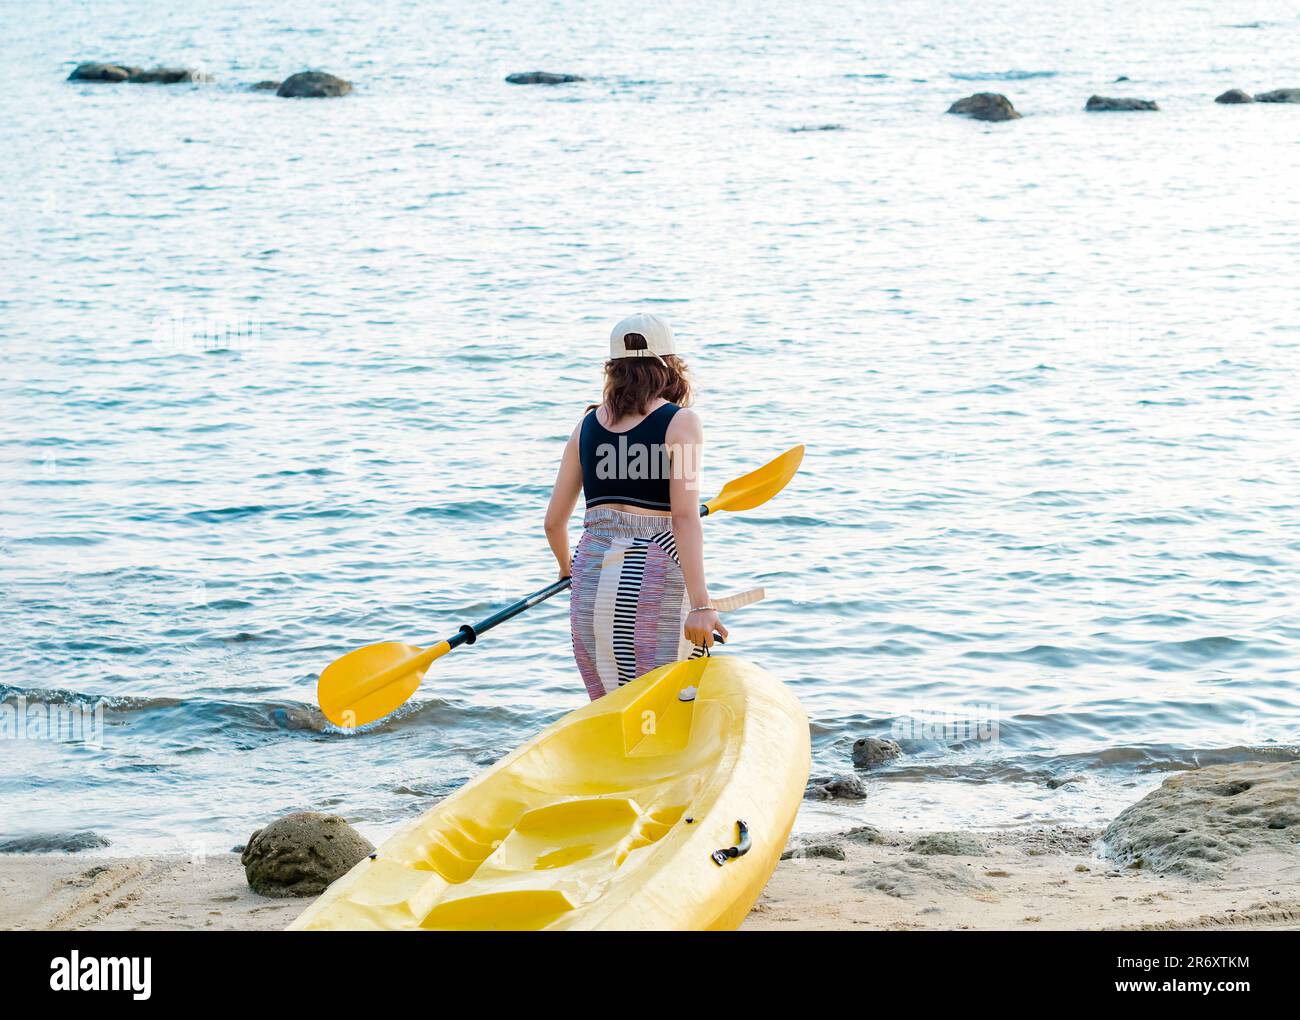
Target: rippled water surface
285, 377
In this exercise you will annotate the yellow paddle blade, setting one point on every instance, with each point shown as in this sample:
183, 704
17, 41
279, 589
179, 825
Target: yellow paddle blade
757, 487
368, 683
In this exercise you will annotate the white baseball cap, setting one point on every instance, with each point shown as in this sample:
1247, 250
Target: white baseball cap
642, 336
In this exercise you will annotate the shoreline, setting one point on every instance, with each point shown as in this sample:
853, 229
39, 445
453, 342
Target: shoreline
1036, 879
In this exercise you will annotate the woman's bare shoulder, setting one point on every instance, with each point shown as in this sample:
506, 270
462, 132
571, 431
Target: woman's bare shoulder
686, 425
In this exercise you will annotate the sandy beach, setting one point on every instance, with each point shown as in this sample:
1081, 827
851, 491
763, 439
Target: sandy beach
1045, 879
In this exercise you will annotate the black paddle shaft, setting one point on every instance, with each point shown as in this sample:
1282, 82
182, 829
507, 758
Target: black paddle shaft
469, 632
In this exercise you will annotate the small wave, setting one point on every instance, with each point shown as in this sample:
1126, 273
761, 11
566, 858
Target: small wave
229, 513
1046, 655
1012, 75
169, 715
54, 842
166, 713
470, 510
120, 704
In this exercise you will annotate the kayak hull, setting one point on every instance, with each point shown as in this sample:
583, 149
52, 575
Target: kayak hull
608, 819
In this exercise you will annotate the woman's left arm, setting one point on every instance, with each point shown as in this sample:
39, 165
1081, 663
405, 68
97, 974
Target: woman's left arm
564, 497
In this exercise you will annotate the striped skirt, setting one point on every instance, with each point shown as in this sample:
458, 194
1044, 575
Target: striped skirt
628, 602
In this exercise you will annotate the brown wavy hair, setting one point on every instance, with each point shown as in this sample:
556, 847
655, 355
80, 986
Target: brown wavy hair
632, 383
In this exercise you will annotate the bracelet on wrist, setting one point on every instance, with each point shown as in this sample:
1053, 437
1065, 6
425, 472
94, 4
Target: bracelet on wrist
702, 609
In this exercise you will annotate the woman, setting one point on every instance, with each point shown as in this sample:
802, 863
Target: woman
639, 595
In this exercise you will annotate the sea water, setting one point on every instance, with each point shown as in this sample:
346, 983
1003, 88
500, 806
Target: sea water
286, 377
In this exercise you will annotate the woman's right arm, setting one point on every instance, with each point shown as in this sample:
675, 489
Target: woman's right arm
564, 497
686, 438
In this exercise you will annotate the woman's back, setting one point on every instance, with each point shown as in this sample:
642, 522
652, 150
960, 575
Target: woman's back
628, 466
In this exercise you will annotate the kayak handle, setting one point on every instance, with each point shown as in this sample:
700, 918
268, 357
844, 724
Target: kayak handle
720, 857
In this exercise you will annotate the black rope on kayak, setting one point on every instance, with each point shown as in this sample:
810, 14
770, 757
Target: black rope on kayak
720, 857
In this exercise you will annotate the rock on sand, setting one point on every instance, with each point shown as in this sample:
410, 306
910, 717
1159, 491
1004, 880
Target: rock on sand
1197, 823
301, 854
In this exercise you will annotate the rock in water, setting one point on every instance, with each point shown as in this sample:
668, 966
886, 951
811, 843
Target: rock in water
1196, 822
846, 787
1098, 104
1235, 96
313, 85
871, 751
542, 78
102, 72
1279, 96
265, 86
167, 76
985, 106
301, 854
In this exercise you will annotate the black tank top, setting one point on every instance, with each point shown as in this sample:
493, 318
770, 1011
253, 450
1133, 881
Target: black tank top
630, 467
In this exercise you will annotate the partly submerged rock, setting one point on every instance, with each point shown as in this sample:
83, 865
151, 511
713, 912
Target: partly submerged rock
542, 78
846, 787
1279, 96
800, 129
313, 85
985, 106
871, 751
301, 854
54, 842
264, 86
1101, 104
1234, 96
948, 844
102, 72
1195, 823
168, 76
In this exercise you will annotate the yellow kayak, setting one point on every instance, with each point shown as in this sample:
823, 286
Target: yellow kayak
664, 805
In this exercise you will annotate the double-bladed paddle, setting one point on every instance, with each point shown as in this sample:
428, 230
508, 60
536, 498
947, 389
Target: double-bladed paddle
368, 683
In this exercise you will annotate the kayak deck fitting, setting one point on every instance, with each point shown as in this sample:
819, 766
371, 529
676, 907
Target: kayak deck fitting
647, 809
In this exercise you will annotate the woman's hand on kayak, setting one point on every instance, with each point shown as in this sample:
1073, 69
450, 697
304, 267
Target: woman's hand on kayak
701, 624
